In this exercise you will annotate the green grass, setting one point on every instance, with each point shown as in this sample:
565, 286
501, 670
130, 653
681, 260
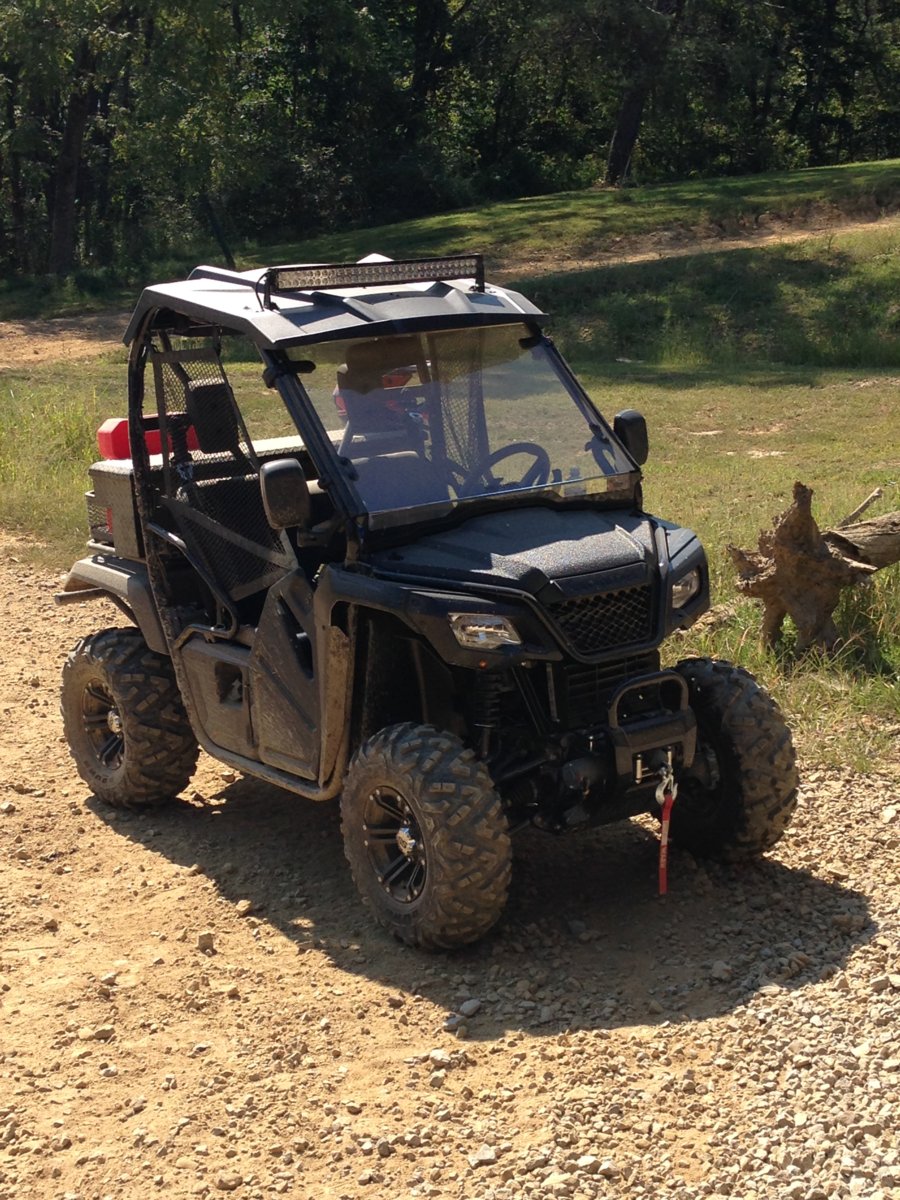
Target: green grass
548, 230
832, 300
48, 421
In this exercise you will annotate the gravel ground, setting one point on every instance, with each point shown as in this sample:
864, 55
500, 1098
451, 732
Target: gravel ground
194, 1003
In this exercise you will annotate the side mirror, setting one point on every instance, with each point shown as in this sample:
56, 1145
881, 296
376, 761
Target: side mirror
630, 428
285, 494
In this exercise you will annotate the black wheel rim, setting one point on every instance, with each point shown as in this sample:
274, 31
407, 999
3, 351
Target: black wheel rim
700, 789
102, 723
394, 844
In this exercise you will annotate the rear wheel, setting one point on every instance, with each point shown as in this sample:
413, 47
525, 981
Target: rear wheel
739, 796
125, 722
426, 837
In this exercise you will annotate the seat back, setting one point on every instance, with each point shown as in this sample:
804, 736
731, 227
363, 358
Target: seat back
211, 411
399, 480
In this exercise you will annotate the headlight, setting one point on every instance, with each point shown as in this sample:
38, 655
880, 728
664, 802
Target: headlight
481, 631
685, 588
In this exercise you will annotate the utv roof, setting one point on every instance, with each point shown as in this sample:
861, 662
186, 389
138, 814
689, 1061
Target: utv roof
290, 305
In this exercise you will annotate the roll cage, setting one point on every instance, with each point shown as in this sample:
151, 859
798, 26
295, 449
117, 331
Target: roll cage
283, 315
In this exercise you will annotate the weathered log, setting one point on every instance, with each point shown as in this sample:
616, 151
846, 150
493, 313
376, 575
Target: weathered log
798, 571
876, 542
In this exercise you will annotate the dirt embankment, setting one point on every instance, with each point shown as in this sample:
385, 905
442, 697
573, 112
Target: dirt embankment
685, 242
193, 1002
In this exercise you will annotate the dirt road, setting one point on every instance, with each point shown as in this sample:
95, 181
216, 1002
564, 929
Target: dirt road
193, 1002
30, 341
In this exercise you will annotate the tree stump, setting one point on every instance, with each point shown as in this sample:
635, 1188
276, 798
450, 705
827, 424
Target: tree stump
798, 571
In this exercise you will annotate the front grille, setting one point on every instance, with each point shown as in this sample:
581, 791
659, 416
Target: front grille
584, 689
607, 620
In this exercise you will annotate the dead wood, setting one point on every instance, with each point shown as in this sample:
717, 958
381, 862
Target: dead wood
798, 571
860, 508
876, 542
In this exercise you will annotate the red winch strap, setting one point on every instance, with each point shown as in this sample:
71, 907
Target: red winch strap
668, 801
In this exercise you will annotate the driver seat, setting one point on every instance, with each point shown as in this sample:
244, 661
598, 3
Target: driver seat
376, 416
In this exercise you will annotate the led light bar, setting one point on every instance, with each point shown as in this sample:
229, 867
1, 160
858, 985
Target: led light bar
342, 275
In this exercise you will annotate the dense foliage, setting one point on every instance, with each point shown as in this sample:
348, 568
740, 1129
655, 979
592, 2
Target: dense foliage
127, 128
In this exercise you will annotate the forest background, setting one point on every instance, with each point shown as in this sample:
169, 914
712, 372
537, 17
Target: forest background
129, 131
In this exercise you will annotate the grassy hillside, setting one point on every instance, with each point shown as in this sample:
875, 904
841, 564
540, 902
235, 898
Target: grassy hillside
544, 231
581, 225
830, 301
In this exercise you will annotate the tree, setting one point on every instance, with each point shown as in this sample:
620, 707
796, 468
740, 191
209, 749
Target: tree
654, 27
130, 128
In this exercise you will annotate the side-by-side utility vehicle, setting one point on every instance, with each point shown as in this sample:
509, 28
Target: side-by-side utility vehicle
407, 563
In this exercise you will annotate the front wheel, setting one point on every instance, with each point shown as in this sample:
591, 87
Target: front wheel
426, 837
124, 720
739, 796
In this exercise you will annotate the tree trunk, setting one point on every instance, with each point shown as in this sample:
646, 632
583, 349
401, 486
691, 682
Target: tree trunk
761, 108
19, 233
625, 135
875, 542
63, 214
217, 231
649, 56
799, 572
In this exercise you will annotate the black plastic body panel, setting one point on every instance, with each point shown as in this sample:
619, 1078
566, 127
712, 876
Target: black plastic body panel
218, 678
526, 548
127, 581
534, 565
286, 663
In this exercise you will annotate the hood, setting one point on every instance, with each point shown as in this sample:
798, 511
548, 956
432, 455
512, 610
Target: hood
567, 553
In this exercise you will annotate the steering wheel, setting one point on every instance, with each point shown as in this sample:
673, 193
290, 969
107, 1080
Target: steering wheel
537, 473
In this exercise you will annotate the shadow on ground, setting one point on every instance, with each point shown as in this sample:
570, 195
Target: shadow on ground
585, 941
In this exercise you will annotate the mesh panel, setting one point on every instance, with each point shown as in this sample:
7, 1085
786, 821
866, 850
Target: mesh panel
210, 480
462, 412
196, 409
99, 520
226, 528
607, 620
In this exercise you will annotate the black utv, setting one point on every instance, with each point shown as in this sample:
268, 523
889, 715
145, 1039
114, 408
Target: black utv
408, 564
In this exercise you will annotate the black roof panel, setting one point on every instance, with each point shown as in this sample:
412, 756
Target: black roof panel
236, 300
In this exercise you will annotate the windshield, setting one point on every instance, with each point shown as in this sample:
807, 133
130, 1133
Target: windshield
443, 418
